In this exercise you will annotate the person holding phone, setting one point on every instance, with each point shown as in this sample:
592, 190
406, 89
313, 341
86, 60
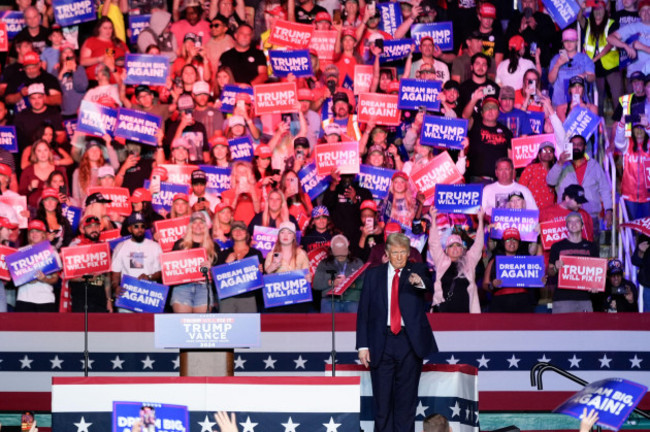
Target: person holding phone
73, 81
577, 99
274, 214
569, 62
636, 151
59, 231
244, 195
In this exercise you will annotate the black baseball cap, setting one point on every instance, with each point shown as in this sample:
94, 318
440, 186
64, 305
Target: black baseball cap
301, 142
199, 176
97, 197
575, 192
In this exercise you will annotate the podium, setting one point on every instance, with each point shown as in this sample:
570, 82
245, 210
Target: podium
207, 341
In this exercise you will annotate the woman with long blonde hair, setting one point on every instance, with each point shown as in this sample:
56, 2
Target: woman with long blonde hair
404, 202
34, 177
244, 196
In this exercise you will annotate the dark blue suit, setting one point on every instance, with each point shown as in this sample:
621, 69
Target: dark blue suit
395, 360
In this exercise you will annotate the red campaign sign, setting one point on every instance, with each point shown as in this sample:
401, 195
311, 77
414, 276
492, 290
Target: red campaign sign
641, 225
555, 230
119, 197
86, 260
380, 108
179, 174
170, 230
440, 169
4, 271
291, 35
182, 266
19, 204
347, 282
275, 98
109, 235
323, 41
315, 257
583, 273
362, 78
4, 37
524, 149
646, 171
343, 156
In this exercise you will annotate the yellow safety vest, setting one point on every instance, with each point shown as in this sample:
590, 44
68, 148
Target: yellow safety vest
609, 60
352, 130
626, 105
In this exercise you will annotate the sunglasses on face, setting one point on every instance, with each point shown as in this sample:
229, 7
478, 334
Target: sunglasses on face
215, 25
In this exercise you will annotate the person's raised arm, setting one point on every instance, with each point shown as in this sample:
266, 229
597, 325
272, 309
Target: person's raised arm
291, 10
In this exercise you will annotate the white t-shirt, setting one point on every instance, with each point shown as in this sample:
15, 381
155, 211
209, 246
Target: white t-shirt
110, 90
516, 79
134, 259
441, 68
496, 195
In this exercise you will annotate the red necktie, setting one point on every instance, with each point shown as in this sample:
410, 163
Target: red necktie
395, 315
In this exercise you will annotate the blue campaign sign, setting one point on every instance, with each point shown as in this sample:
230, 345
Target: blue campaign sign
458, 198
138, 126
73, 215
312, 183
8, 140
146, 69
218, 178
581, 121
241, 148
414, 93
70, 127
237, 277
137, 23
443, 132
348, 83
157, 417
612, 398
264, 239
391, 17
524, 220
564, 12
282, 289
29, 260
207, 330
96, 119
623, 59
295, 62
536, 119
163, 199
71, 12
15, 22
442, 34
395, 49
141, 295
376, 180
229, 93
521, 271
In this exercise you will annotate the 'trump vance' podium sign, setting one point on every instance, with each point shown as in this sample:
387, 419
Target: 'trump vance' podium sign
207, 331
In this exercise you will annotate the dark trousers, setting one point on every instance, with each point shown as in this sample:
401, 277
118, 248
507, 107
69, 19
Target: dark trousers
395, 381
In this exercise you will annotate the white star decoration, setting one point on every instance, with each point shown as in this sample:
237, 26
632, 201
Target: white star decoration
290, 426
239, 362
455, 410
635, 362
604, 361
82, 426
421, 410
300, 362
575, 361
147, 363
56, 362
544, 359
483, 362
331, 426
248, 425
176, 362
269, 363
25, 362
513, 362
117, 362
328, 360
206, 425
452, 360
90, 363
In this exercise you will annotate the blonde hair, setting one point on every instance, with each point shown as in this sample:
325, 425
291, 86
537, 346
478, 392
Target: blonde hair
206, 242
294, 250
32, 155
284, 210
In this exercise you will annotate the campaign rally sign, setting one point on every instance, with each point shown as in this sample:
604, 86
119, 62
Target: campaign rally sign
19, 204
71, 12
552, 232
348, 281
582, 273
95, 119
380, 108
312, 183
282, 289
395, 49
138, 126
612, 398
391, 17
641, 225
525, 148
4, 37
137, 23
183, 266
8, 140
524, 220
315, 257
15, 22
264, 239
70, 127
296, 62
536, 119
152, 416
170, 230
218, 178
323, 42
343, 156
4, 271
29, 260
376, 180
229, 94
119, 197
275, 98
291, 34
142, 295
439, 170
73, 215
459, 198
564, 12
83, 260
417, 240
362, 78
443, 132
146, 69
442, 34
241, 148
581, 121
163, 199
237, 277
521, 271
624, 60
414, 93
179, 174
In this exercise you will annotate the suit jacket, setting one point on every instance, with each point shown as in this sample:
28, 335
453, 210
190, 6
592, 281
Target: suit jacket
372, 315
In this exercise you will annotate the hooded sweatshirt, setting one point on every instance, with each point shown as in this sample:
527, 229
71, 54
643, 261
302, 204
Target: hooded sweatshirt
153, 35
